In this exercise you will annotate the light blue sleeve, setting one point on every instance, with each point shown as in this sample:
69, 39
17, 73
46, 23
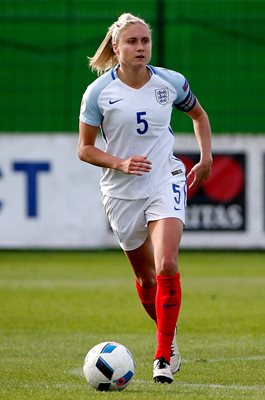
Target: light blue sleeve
185, 99
89, 111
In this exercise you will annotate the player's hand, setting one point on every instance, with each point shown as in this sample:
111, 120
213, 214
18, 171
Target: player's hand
136, 165
199, 173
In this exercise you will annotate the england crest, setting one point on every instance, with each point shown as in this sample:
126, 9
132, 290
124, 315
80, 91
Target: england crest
162, 95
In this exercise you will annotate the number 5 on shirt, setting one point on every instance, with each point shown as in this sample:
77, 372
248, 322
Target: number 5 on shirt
141, 120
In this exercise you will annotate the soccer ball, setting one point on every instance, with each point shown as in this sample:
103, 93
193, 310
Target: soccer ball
109, 366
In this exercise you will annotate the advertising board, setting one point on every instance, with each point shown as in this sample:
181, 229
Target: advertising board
50, 199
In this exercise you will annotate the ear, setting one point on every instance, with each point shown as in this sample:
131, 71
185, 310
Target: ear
115, 48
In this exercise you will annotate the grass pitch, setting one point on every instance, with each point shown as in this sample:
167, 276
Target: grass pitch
54, 306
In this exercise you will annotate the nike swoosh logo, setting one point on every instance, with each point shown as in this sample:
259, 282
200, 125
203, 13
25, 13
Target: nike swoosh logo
169, 305
114, 101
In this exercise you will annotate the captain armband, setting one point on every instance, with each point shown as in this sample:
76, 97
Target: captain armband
187, 104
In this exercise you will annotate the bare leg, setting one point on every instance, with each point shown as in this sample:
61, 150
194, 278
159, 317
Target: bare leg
166, 235
143, 264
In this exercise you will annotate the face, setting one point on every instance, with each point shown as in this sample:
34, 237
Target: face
134, 45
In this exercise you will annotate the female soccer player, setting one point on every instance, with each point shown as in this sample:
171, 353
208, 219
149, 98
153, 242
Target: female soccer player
143, 185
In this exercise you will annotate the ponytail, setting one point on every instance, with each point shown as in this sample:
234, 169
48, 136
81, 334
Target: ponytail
105, 58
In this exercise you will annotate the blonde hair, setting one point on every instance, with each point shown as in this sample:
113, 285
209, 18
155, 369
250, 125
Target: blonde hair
105, 58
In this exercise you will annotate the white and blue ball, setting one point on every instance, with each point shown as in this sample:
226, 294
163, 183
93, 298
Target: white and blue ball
109, 366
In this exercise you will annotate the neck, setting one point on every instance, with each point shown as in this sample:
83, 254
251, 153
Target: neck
134, 77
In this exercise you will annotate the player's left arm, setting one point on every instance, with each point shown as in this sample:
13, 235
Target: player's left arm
202, 129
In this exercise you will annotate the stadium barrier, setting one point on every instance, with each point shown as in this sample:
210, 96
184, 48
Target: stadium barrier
49, 199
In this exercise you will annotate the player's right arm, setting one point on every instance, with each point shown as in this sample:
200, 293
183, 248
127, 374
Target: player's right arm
88, 152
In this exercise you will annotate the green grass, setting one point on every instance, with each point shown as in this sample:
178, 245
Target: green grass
54, 306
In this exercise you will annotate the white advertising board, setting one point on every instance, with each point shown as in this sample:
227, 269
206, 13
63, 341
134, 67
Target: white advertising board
49, 199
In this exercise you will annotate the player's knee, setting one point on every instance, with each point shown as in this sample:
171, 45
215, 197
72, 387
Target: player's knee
167, 266
147, 281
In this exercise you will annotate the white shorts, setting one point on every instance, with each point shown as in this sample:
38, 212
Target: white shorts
129, 218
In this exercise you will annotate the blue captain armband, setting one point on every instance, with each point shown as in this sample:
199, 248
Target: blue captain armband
187, 104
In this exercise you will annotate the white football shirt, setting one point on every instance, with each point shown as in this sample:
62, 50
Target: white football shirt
136, 122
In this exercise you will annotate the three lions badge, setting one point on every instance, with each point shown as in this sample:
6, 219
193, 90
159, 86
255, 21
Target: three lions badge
162, 95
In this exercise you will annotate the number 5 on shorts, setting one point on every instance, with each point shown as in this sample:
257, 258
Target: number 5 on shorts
177, 194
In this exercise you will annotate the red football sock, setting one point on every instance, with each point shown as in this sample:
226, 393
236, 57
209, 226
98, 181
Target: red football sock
147, 297
168, 301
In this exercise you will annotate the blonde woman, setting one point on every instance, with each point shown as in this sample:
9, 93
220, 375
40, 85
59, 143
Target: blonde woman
143, 185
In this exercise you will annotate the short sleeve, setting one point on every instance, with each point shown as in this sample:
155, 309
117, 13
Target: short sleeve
185, 100
89, 111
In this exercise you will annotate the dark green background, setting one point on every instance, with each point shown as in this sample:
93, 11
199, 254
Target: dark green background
217, 44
